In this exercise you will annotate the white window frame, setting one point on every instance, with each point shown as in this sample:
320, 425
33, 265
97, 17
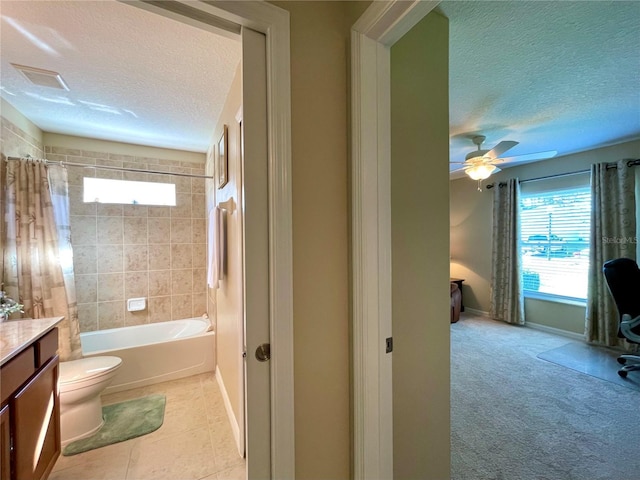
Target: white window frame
128, 192
559, 298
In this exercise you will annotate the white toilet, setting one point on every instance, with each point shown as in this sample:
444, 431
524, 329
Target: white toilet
81, 382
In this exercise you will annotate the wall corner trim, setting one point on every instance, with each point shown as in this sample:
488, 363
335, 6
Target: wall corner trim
379, 27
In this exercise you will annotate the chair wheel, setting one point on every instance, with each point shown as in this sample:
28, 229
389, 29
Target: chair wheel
622, 373
622, 361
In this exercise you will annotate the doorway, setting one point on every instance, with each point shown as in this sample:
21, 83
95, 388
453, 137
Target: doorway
274, 459
376, 215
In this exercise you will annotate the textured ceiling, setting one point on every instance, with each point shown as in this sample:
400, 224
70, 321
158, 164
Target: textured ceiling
133, 76
557, 75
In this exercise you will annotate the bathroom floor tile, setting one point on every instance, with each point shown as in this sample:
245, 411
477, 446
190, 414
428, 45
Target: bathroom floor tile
195, 440
235, 473
186, 456
179, 390
181, 416
107, 463
110, 398
226, 454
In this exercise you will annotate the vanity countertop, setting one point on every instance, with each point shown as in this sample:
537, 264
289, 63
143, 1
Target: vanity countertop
18, 334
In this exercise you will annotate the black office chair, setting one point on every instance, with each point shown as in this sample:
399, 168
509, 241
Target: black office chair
623, 280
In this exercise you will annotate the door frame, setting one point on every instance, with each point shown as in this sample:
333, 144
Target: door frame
274, 23
372, 36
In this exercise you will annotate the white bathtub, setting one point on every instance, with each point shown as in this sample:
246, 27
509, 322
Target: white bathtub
155, 352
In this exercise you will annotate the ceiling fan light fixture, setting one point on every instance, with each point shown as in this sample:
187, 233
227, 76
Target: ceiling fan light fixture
481, 171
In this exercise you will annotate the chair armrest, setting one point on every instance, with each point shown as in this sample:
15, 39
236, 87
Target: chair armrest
627, 324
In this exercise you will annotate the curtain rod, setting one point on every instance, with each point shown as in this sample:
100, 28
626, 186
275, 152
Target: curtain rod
630, 163
106, 167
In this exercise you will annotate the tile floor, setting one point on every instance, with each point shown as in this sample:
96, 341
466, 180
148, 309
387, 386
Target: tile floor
195, 442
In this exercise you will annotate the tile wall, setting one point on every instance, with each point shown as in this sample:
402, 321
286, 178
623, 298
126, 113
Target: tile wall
129, 251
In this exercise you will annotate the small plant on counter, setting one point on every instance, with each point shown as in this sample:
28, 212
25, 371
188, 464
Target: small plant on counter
8, 306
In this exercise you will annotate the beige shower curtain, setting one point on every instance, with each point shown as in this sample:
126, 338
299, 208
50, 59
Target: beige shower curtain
38, 249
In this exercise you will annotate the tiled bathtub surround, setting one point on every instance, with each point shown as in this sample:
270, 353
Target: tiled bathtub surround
127, 251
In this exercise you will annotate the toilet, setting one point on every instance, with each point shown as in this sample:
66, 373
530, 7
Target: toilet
81, 382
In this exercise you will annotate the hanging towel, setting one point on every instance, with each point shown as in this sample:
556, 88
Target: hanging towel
213, 248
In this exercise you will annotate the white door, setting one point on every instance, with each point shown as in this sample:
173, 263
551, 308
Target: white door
256, 254
268, 306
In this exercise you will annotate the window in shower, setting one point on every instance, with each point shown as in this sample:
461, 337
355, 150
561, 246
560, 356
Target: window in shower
104, 190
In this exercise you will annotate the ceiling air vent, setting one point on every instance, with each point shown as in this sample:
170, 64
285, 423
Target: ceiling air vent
43, 78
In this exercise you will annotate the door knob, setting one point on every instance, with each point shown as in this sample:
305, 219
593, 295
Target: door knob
263, 352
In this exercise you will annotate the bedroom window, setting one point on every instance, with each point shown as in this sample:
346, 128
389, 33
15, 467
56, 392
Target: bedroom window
103, 190
554, 244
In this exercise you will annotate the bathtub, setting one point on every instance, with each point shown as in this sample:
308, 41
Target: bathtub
155, 352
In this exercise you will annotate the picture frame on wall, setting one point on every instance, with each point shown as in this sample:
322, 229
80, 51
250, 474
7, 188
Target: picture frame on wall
222, 172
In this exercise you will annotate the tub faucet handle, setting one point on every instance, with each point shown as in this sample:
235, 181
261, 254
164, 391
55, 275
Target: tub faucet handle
206, 318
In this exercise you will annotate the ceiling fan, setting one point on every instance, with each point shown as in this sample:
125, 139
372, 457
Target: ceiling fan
480, 164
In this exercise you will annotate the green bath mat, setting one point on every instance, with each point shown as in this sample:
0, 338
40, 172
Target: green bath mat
123, 421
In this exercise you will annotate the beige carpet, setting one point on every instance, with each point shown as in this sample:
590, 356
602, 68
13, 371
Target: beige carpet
517, 417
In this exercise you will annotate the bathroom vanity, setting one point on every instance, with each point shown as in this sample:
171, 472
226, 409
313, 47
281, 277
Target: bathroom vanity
29, 408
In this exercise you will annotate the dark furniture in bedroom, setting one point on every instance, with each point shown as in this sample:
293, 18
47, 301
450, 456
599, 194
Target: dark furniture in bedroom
456, 302
623, 280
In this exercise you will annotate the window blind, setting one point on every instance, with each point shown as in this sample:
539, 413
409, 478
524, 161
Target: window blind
554, 243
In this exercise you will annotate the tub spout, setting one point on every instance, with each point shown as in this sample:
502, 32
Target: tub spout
206, 318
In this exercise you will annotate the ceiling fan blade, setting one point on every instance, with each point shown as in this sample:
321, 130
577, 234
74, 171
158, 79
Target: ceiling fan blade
500, 148
530, 157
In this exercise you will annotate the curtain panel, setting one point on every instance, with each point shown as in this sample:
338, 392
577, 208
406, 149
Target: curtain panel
69, 328
32, 269
507, 297
613, 235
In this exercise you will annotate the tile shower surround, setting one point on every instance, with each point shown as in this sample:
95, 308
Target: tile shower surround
127, 251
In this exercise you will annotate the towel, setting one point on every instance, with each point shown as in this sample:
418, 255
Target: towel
213, 248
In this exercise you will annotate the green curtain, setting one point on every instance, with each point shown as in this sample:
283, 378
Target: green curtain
613, 235
507, 297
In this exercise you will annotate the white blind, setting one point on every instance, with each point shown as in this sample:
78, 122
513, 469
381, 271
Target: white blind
554, 242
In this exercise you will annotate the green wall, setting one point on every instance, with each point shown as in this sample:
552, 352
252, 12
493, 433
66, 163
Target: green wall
320, 48
420, 247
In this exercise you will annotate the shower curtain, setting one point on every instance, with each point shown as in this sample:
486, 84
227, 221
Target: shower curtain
38, 260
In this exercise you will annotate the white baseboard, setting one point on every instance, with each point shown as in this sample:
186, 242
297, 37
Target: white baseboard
473, 311
227, 406
556, 331
536, 326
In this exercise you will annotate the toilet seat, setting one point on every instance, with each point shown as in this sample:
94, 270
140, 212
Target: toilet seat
86, 369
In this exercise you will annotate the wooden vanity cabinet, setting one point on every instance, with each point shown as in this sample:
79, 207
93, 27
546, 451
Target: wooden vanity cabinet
31, 411
5, 444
